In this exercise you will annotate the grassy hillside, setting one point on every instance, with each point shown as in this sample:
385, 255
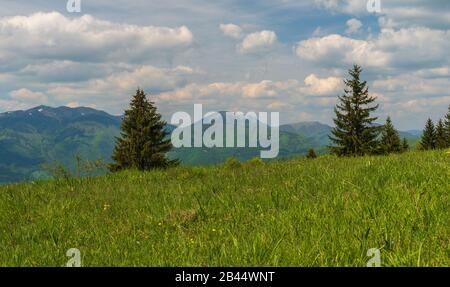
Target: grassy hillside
291, 144
327, 211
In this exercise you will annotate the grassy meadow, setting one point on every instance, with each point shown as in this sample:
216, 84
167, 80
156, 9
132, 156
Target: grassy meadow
323, 212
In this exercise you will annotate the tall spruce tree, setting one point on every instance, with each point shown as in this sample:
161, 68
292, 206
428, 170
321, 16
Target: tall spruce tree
354, 134
143, 143
428, 140
405, 145
447, 126
441, 136
390, 141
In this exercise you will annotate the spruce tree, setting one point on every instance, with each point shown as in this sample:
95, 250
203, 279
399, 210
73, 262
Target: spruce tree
405, 145
311, 154
428, 140
143, 142
441, 137
355, 133
390, 141
447, 126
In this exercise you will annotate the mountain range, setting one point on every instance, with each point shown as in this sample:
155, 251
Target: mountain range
44, 135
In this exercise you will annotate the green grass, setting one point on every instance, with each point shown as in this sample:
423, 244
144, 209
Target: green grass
323, 212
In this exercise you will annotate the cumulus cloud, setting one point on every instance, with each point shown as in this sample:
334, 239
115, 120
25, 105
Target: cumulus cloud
425, 105
276, 105
336, 50
257, 42
412, 85
414, 47
434, 72
324, 86
12, 105
69, 71
353, 26
55, 36
146, 76
73, 104
237, 96
397, 13
231, 30
407, 47
114, 90
274, 91
411, 97
431, 14
265, 89
22, 99
25, 95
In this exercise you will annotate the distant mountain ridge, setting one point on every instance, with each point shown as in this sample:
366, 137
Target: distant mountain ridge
42, 135
315, 131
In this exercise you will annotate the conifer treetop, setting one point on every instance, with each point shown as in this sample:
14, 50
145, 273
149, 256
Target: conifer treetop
390, 140
428, 140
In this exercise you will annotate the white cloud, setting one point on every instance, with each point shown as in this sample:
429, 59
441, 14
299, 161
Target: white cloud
25, 95
404, 48
336, 50
73, 104
277, 105
237, 96
55, 36
258, 42
353, 26
434, 72
412, 98
287, 92
415, 47
325, 86
231, 30
397, 13
12, 105
412, 85
68, 71
268, 89
114, 90
426, 13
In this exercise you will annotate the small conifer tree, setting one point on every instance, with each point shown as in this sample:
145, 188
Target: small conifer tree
428, 140
441, 136
447, 126
311, 154
390, 141
405, 145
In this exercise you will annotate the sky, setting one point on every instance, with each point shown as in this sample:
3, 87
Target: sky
268, 55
